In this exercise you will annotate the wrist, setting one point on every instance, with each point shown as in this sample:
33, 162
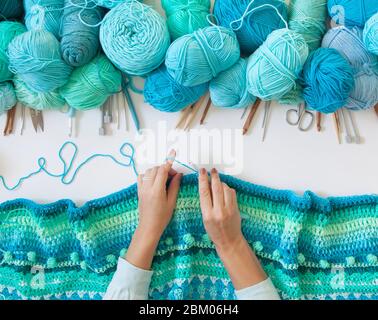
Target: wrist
231, 247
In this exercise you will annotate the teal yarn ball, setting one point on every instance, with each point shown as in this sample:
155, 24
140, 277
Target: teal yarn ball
308, 18
80, 41
37, 100
8, 31
92, 84
185, 16
352, 12
229, 88
370, 34
197, 58
135, 38
254, 28
7, 97
110, 4
35, 57
273, 69
327, 80
11, 9
163, 93
44, 14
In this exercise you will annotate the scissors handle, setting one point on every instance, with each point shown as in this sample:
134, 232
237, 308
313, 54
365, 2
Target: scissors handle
309, 115
289, 117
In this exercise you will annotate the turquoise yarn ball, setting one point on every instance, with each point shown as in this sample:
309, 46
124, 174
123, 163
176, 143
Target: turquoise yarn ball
163, 93
185, 16
44, 14
7, 97
352, 12
199, 57
92, 84
370, 34
135, 38
327, 80
35, 57
256, 26
273, 69
37, 100
80, 43
109, 3
8, 30
11, 9
229, 88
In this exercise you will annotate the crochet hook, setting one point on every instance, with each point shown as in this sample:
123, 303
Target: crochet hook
22, 119
337, 126
205, 112
251, 116
319, 121
10, 121
71, 116
376, 109
194, 112
184, 115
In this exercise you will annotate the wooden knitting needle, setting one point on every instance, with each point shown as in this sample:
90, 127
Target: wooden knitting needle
184, 115
208, 105
337, 126
251, 116
319, 121
376, 109
10, 121
193, 112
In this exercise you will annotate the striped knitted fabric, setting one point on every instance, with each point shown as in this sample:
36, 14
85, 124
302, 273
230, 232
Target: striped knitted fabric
312, 248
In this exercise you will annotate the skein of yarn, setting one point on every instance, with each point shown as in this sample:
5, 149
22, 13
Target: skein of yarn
255, 25
163, 93
91, 85
229, 88
273, 69
365, 92
8, 30
327, 80
199, 57
185, 16
370, 34
352, 12
80, 42
135, 38
7, 97
44, 14
11, 9
35, 57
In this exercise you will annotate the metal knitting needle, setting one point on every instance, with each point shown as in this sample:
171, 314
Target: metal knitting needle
266, 118
118, 112
337, 126
348, 138
244, 112
357, 137
22, 119
71, 116
101, 131
107, 116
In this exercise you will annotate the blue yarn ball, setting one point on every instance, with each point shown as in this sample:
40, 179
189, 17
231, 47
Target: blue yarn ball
135, 38
256, 26
370, 35
11, 9
80, 43
229, 88
7, 97
163, 93
35, 57
365, 92
352, 12
199, 57
109, 3
327, 80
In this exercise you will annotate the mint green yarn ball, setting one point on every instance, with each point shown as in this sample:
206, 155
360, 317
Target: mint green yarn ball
8, 30
185, 16
7, 97
90, 85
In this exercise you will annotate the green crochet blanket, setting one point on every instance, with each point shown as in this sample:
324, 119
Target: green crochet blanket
312, 248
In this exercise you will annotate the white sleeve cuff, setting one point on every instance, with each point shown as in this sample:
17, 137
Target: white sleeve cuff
264, 290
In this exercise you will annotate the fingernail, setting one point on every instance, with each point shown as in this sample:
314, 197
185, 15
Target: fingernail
171, 156
214, 171
203, 171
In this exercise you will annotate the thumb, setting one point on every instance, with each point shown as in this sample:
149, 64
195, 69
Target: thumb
173, 190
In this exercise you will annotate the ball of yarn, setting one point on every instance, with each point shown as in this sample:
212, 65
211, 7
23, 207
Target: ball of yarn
165, 94
327, 80
255, 26
352, 12
308, 17
370, 34
91, 85
109, 3
199, 57
135, 38
44, 14
7, 97
185, 16
37, 100
8, 30
274, 67
11, 9
229, 88
80, 42
35, 57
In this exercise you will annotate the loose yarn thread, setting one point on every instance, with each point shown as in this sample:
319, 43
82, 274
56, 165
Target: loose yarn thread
7, 97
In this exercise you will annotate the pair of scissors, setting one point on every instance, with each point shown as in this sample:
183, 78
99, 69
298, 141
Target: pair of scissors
300, 115
37, 119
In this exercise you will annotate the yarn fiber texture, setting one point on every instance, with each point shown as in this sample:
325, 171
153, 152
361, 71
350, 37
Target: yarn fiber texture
165, 94
229, 88
256, 26
7, 97
273, 69
135, 38
80, 258
110, 3
199, 57
91, 85
327, 80
8, 30
11, 9
185, 16
370, 34
352, 12
35, 56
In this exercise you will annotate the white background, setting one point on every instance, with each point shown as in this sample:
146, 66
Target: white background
288, 158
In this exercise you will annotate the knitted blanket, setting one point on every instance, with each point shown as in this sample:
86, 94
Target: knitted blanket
312, 248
